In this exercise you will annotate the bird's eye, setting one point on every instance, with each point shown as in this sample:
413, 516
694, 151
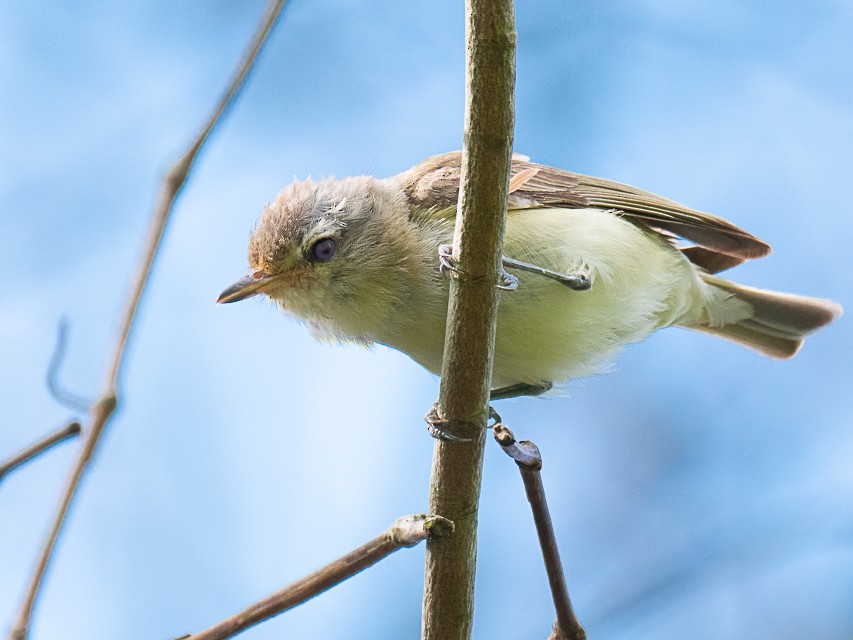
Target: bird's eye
324, 249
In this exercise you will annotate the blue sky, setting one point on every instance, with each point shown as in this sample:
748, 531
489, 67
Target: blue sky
698, 490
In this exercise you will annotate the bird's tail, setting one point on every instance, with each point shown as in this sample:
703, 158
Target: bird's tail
779, 322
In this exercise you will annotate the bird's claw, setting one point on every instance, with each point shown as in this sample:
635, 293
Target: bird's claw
493, 415
437, 427
508, 282
447, 264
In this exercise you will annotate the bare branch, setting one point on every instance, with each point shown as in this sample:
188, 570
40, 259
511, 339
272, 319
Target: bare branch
59, 394
174, 181
103, 409
68, 431
469, 346
529, 461
405, 532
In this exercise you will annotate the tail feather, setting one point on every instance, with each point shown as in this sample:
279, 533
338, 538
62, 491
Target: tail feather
779, 322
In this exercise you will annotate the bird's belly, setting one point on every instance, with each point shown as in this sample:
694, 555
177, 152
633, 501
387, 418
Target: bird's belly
570, 334
547, 332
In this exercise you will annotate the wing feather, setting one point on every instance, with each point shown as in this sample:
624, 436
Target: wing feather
433, 185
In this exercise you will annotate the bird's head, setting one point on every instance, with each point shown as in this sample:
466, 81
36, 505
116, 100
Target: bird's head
321, 251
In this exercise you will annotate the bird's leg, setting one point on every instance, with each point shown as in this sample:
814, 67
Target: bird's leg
520, 389
514, 391
575, 281
578, 282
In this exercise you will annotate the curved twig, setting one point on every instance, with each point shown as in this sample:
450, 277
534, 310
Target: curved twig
70, 400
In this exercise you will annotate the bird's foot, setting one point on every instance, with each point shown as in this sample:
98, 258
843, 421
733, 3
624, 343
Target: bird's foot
449, 267
437, 425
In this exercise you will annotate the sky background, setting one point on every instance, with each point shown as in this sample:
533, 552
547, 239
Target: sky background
698, 490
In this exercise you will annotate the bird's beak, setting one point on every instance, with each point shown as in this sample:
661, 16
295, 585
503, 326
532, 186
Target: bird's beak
245, 287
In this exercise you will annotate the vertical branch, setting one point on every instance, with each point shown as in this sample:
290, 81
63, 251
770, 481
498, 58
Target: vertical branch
472, 311
103, 409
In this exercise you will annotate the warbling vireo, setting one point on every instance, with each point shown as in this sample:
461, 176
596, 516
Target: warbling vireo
598, 266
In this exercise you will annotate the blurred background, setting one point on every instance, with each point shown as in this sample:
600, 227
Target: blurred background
698, 490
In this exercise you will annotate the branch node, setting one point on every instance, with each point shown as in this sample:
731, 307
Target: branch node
525, 453
410, 530
106, 405
438, 528
557, 633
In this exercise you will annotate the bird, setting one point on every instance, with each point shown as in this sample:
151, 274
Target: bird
590, 266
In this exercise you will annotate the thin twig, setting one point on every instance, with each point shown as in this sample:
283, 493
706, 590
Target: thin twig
462, 409
529, 461
67, 431
59, 394
101, 411
405, 532
174, 181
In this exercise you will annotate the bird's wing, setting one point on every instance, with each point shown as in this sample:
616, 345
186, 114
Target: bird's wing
433, 185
